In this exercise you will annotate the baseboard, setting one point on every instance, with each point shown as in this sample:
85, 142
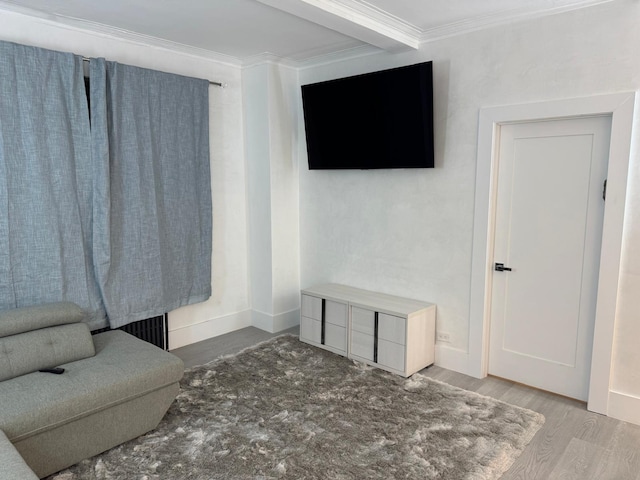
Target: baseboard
275, 323
452, 359
624, 407
208, 329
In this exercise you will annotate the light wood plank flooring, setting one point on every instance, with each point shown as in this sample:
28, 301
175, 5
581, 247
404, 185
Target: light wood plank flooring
572, 444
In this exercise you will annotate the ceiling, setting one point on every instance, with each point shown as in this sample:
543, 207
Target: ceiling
294, 30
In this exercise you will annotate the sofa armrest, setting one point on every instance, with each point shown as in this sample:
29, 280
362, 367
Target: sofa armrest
13, 467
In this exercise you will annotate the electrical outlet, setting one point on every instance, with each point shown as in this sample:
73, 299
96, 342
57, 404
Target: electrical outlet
443, 337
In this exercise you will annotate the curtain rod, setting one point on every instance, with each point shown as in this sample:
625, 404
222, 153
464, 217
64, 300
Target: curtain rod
217, 84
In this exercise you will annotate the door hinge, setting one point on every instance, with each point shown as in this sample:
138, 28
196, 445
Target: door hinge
604, 190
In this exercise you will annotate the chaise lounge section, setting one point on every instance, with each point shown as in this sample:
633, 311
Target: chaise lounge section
13, 466
114, 388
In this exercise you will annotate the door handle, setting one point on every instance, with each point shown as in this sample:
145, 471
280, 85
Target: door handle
501, 268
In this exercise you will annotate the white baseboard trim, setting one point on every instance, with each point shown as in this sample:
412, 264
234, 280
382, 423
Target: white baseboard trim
624, 407
452, 359
180, 337
275, 323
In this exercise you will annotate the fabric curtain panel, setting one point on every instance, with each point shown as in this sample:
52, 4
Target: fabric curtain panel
152, 187
45, 182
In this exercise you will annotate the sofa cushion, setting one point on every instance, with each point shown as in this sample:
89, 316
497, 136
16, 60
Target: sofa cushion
123, 368
12, 466
25, 319
48, 347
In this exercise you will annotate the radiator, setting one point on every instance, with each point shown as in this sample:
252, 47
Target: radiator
154, 330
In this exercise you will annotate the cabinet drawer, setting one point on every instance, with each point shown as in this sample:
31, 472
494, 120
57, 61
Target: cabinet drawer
334, 312
362, 320
391, 355
362, 345
311, 307
392, 328
334, 336
310, 329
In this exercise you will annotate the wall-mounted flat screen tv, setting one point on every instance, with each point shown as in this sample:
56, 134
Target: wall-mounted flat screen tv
376, 120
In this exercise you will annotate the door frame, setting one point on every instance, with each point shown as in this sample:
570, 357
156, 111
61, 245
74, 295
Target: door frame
620, 107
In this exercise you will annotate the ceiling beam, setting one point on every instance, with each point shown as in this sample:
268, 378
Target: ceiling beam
354, 19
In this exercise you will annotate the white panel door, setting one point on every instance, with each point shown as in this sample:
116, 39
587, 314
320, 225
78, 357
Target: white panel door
548, 231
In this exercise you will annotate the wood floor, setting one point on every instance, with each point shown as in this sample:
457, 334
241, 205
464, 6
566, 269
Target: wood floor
572, 444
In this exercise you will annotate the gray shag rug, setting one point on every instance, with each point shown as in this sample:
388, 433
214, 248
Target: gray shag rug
287, 410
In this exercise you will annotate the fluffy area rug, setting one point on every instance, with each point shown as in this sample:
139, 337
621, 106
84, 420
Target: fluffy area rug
287, 410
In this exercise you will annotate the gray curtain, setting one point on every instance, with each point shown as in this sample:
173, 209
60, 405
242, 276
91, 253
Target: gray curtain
45, 182
152, 205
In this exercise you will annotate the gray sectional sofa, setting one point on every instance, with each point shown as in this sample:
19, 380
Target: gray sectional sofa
114, 387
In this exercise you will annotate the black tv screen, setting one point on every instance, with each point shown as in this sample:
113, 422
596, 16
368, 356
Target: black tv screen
376, 120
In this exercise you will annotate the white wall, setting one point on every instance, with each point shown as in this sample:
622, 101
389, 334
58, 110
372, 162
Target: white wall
285, 107
271, 107
255, 85
410, 232
228, 307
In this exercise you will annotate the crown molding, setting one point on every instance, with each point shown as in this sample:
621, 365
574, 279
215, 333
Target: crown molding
350, 53
379, 20
100, 29
326, 50
502, 18
356, 19
268, 58
340, 56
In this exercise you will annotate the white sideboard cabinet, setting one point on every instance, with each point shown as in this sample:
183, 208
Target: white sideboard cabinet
392, 333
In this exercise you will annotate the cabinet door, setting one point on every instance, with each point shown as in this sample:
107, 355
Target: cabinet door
311, 307
335, 337
310, 329
362, 345
363, 320
391, 355
335, 313
392, 328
